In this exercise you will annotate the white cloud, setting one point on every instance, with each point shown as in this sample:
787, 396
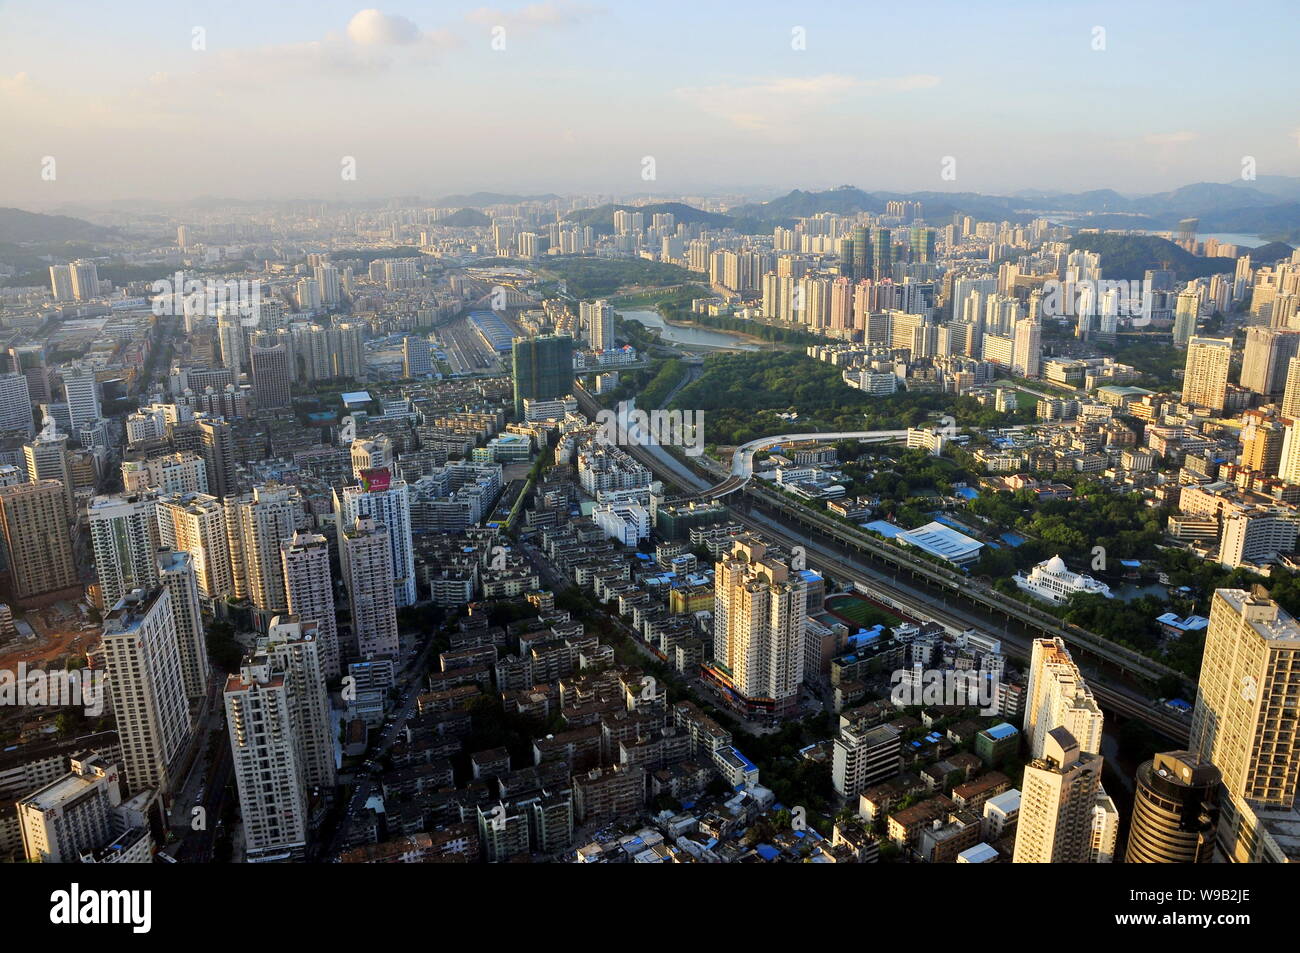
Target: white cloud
376, 28
1171, 138
536, 16
779, 104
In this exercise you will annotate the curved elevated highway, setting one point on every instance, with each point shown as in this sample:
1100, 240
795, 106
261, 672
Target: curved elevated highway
742, 458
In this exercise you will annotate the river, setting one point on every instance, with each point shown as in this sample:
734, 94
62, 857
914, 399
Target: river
689, 336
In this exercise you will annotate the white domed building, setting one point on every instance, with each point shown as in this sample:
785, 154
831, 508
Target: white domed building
1052, 581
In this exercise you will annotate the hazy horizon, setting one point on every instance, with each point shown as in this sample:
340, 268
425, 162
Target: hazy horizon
571, 98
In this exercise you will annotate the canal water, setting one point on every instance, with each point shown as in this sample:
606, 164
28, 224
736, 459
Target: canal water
689, 336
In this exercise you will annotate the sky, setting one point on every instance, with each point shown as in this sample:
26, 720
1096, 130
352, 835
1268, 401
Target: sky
167, 101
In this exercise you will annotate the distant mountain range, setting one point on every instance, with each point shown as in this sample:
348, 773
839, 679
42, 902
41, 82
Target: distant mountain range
17, 226
601, 218
1268, 205
465, 218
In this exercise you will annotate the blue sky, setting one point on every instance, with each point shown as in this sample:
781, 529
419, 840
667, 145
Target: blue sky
717, 93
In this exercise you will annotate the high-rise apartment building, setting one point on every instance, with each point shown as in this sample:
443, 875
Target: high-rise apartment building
759, 610
141, 653
310, 591
271, 377
47, 459
542, 367
268, 769
1205, 378
1058, 697
230, 336
1267, 359
367, 564
176, 574
864, 755
217, 447
81, 388
33, 518
72, 815
85, 279
15, 405
1291, 391
1058, 800
1245, 723
179, 472
196, 523
597, 317
373, 454
417, 356
124, 535
257, 523
388, 502
1186, 313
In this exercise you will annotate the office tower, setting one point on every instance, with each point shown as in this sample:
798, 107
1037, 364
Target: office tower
1057, 801
61, 282
417, 356
310, 590
257, 523
759, 610
543, 369
1267, 359
15, 405
85, 279
124, 534
1205, 380
597, 317
373, 454
82, 391
33, 517
268, 771
47, 459
182, 237
1175, 811
196, 523
29, 360
1244, 723
367, 561
217, 447
271, 377
1058, 697
386, 501
73, 814
176, 574
143, 663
